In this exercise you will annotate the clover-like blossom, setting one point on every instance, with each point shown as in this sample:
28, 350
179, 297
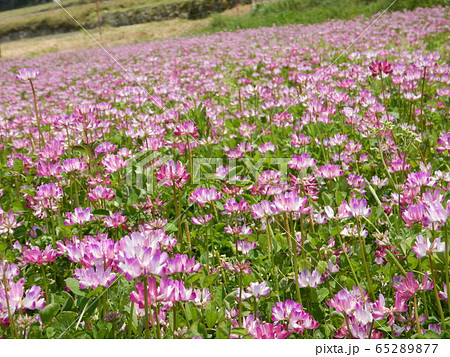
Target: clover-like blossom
113, 162
347, 301
245, 246
300, 162
256, 290
378, 67
358, 208
264, 209
329, 171
95, 277
443, 143
201, 220
291, 312
17, 299
423, 246
35, 255
308, 279
203, 195
79, 216
172, 174
26, 74
181, 263
291, 202
101, 192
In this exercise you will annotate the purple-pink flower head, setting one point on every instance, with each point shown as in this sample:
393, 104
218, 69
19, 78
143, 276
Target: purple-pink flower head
308, 279
329, 171
26, 74
292, 313
264, 209
172, 175
378, 67
291, 202
359, 208
95, 277
423, 246
203, 195
35, 255
79, 216
443, 143
300, 162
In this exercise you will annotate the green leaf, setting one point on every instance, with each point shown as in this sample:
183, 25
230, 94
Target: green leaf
49, 312
211, 314
240, 331
337, 319
223, 330
322, 293
64, 321
74, 286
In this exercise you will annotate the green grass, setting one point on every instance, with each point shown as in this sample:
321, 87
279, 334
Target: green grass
52, 16
287, 12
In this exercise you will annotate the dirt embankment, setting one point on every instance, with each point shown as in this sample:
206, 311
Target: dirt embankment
194, 9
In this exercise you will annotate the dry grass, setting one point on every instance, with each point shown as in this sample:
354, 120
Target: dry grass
113, 36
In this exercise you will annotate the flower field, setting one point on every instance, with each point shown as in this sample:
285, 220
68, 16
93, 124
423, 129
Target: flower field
282, 182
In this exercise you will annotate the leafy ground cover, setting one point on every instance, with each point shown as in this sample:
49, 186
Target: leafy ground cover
270, 183
287, 12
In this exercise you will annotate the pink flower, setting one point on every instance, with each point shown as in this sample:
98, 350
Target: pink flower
346, 301
256, 290
101, 192
245, 246
180, 263
139, 255
407, 286
79, 216
8, 222
329, 171
115, 220
201, 220
444, 294
113, 162
378, 67
95, 277
268, 331
306, 278
76, 164
424, 247
172, 175
264, 209
443, 143
231, 206
297, 319
358, 208
35, 255
26, 74
301, 162
415, 213
203, 195
291, 202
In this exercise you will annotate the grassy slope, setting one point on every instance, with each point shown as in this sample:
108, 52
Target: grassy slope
82, 10
312, 11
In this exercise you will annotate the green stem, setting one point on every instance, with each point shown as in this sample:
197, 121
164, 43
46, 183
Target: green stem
269, 235
350, 265
147, 331
436, 293
38, 117
416, 316
158, 325
293, 248
10, 316
363, 253
446, 261
177, 212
